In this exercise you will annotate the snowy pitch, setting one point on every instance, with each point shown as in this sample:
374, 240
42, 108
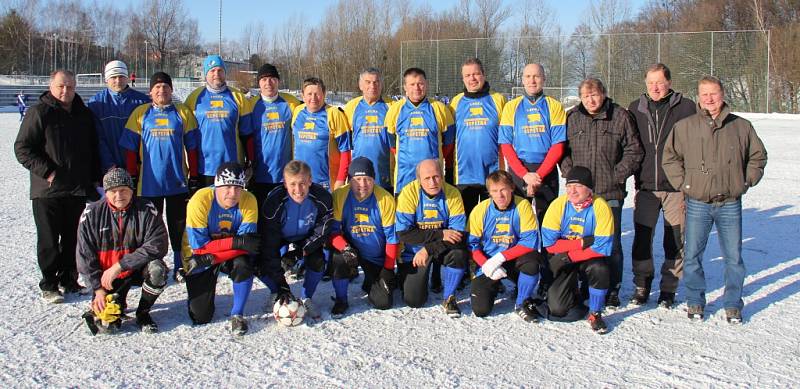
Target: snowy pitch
45, 345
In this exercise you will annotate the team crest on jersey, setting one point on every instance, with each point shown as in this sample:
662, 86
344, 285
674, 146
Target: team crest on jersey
273, 115
162, 122
502, 228
371, 118
308, 125
476, 111
361, 218
430, 213
534, 117
217, 103
575, 231
417, 121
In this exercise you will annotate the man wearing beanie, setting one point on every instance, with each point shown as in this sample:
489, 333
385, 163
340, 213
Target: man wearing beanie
577, 232
321, 136
121, 240
57, 143
111, 107
221, 236
269, 145
363, 234
223, 116
366, 115
159, 138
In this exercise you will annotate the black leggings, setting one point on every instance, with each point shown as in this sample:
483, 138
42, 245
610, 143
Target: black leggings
415, 279
483, 289
563, 293
202, 287
176, 217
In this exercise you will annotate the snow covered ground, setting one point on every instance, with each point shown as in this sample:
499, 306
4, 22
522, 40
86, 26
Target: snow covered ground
45, 345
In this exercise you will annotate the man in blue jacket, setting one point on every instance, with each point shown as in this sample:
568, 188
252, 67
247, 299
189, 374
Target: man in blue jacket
111, 108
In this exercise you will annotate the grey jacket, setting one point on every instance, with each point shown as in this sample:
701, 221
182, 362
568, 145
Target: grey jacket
707, 158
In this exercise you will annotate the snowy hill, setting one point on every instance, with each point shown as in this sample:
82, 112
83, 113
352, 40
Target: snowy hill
45, 345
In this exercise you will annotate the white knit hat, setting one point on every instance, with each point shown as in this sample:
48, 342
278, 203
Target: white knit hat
115, 68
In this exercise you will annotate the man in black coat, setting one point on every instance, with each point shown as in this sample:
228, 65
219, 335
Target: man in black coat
57, 143
655, 113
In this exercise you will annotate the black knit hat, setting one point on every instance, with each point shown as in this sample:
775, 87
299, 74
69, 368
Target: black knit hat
159, 77
115, 178
360, 167
230, 173
580, 175
268, 70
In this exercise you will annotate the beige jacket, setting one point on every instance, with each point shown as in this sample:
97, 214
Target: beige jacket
707, 158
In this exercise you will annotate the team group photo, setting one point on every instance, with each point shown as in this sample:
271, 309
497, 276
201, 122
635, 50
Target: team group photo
412, 224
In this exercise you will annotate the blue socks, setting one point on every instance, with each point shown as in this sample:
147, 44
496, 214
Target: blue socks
451, 277
176, 260
241, 290
312, 279
340, 287
597, 299
526, 284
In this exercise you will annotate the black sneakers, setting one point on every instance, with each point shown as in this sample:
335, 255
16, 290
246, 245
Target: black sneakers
52, 296
527, 311
612, 299
339, 308
450, 306
666, 300
640, 296
238, 325
146, 323
597, 324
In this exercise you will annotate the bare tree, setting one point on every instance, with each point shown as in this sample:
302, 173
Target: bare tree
607, 15
168, 29
491, 14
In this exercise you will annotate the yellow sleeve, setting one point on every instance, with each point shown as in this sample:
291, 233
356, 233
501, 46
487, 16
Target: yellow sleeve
337, 122
248, 205
189, 121
339, 197
557, 115
476, 218
499, 102
444, 116
296, 112
350, 109
134, 122
552, 218
509, 110
408, 198
453, 198
454, 102
527, 220
386, 205
191, 100
392, 115
604, 219
196, 216
245, 108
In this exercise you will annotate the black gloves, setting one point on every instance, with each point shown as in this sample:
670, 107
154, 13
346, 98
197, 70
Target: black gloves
284, 296
558, 261
247, 242
293, 254
350, 256
587, 241
199, 261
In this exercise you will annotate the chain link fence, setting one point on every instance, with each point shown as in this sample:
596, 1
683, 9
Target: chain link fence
739, 58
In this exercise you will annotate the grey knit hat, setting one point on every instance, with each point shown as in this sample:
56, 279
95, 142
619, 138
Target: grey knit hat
115, 178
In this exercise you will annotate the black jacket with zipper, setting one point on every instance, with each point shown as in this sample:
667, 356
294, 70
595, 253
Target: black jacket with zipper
655, 120
52, 139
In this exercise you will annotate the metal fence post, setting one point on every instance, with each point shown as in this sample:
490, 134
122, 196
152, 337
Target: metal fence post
768, 60
712, 53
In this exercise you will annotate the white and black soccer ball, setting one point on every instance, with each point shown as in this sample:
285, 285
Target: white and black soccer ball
289, 314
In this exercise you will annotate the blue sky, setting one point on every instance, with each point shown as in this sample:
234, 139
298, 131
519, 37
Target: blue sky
237, 13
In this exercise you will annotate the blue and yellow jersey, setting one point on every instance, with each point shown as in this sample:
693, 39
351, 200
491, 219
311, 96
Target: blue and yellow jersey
368, 224
220, 117
272, 136
477, 152
492, 230
563, 221
161, 138
319, 137
421, 131
415, 209
370, 136
206, 220
532, 128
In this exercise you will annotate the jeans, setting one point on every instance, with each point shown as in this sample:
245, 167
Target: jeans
700, 217
615, 260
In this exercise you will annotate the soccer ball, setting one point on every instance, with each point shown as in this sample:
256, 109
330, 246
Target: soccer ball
289, 314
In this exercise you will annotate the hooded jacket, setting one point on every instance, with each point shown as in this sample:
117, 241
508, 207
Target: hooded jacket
707, 157
52, 139
655, 120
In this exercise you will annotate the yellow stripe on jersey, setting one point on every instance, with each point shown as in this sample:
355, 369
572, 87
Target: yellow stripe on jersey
197, 215
509, 111
555, 211
476, 218
386, 205
408, 199
455, 205
557, 115
527, 220
339, 196
604, 219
